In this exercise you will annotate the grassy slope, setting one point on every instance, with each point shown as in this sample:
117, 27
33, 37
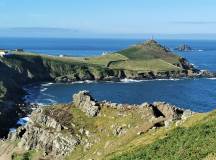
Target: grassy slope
102, 130
43, 67
192, 139
195, 139
145, 65
149, 56
106, 59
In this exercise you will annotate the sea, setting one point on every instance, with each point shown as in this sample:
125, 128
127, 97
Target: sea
199, 95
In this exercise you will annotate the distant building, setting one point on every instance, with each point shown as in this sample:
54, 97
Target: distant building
4, 53
19, 50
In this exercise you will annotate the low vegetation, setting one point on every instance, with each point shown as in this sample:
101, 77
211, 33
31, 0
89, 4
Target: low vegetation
193, 140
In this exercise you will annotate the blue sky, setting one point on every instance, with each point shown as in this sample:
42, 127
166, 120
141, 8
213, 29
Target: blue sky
106, 17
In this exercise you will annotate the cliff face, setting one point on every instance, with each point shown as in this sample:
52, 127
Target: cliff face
47, 133
65, 130
19, 70
145, 61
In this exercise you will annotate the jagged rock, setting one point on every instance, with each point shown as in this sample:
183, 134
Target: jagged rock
184, 48
44, 133
54, 130
144, 105
86, 103
66, 79
119, 130
54, 143
205, 73
186, 114
168, 123
168, 111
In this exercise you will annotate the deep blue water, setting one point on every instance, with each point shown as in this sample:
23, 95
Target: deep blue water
198, 95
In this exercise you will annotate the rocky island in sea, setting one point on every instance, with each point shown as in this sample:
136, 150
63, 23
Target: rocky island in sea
184, 48
76, 127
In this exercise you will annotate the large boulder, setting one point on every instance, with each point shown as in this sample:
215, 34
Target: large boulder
84, 101
45, 133
168, 111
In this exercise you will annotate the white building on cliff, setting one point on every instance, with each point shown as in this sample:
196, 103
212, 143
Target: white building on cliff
4, 53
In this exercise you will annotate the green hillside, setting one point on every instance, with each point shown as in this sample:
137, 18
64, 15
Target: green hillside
149, 56
195, 139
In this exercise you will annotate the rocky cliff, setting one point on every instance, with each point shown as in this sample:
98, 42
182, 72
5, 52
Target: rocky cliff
149, 60
84, 125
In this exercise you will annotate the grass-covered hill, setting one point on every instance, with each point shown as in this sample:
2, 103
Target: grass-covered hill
149, 56
194, 139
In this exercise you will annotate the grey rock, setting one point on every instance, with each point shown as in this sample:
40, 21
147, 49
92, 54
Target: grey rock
45, 133
86, 103
184, 47
187, 113
168, 123
119, 130
168, 111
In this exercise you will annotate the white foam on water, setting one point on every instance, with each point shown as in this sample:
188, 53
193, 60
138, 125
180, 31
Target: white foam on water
88, 81
137, 81
174, 79
78, 82
47, 84
12, 130
48, 95
43, 89
81, 82
23, 121
41, 104
212, 78
130, 80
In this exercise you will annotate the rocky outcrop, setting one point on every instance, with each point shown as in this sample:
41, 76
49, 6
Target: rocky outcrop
57, 130
184, 48
45, 133
86, 103
168, 111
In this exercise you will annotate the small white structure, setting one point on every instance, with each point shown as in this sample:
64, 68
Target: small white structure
4, 53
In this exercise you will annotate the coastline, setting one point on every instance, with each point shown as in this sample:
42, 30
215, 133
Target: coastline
27, 68
24, 108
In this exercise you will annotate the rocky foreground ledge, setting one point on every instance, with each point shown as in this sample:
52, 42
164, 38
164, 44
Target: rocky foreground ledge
89, 127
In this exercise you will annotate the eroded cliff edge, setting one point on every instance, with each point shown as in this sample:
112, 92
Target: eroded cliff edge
88, 129
149, 60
